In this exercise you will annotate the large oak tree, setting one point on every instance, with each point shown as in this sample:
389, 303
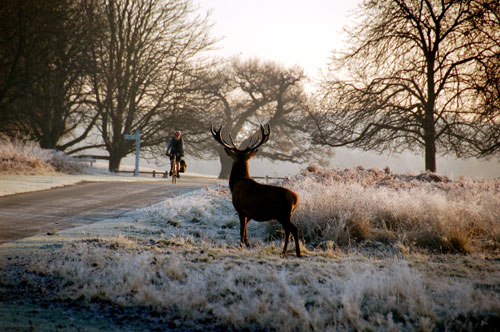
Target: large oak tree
145, 55
405, 82
43, 64
486, 80
242, 94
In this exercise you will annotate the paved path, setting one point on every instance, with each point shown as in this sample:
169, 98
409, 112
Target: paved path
48, 211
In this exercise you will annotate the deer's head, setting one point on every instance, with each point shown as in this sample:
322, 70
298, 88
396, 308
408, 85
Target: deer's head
241, 154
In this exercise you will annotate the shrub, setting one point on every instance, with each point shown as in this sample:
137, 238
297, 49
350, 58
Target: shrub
22, 157
63, 163
424, 211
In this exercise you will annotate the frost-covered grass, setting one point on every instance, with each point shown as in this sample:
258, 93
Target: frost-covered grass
257, 290
20, 157
425, 211
367, 264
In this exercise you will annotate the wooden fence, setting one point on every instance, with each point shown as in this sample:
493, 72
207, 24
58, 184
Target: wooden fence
154, 173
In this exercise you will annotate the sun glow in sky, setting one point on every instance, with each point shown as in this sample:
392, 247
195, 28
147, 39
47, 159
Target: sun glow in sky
305, 33
290, 32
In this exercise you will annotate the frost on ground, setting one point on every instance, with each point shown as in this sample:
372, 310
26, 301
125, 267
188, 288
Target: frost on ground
257, 290
371, 263
423, 211
21, 157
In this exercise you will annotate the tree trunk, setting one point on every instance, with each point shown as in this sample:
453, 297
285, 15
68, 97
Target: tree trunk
50, 137
114, 162
430, 155
430, 141
47, 143
225, 165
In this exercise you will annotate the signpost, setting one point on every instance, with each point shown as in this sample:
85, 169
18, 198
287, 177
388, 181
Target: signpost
137, 138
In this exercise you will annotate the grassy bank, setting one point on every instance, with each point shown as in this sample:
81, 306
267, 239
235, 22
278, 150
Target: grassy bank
383, 251
21, 157
407, 211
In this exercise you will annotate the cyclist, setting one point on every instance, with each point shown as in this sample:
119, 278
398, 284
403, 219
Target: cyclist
175, 149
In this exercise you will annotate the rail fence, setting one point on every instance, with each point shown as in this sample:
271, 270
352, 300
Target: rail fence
154, 173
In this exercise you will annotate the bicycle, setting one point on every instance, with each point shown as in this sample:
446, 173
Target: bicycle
174, 172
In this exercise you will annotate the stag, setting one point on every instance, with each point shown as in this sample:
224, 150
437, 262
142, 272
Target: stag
253, 200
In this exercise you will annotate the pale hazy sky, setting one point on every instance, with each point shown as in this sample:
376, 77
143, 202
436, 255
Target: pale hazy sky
304, 33
290, 32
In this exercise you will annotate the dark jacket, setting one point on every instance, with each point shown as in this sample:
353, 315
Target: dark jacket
175, 146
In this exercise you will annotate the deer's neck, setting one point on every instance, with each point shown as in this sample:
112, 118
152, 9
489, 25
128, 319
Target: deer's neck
238, 171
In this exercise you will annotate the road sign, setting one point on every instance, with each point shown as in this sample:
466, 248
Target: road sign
137, 138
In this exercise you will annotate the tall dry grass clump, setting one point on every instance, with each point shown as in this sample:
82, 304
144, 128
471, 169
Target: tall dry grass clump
415, 211
215, 288
23, 157
66, 164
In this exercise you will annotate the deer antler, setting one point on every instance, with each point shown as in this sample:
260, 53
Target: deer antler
263, 139
217, 134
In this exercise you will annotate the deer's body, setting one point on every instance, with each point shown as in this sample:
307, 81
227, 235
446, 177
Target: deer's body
260, 202
274, 203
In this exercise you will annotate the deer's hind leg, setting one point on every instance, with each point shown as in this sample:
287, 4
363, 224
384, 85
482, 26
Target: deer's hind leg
243, 230
295, 232
287, 237
291, 228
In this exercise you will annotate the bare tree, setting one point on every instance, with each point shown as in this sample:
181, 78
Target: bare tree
43, 65
11, 50
405, 81
486, 81
241, 95
145, 57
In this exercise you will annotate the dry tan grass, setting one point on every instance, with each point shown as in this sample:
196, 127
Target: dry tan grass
21, 157
423, 211
377, 258
256, 290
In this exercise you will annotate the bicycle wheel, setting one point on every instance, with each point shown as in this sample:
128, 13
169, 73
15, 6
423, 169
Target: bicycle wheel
174, 170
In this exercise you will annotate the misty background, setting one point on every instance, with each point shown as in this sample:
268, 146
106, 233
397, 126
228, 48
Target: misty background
77, 76
343, 158
293, 33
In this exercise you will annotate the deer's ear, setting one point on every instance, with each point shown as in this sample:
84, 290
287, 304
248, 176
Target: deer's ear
229, 152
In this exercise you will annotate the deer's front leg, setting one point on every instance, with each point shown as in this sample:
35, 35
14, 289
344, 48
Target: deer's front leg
243, 230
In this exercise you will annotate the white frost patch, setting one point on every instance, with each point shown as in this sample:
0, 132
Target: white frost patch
183, 255
206, 214
258, 292
16, 184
